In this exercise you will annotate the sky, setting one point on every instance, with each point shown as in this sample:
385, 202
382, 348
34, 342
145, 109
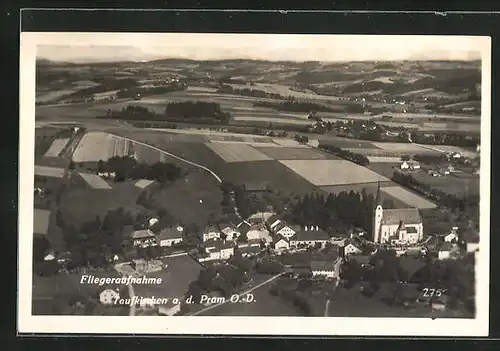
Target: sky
100, 47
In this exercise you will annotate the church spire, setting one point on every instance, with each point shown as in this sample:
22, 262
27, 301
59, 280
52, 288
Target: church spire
378, 198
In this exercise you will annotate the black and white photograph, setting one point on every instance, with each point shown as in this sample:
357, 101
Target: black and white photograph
341, 181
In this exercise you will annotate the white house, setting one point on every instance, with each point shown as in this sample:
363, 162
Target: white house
143, 238
108, 296
281, 243
285, 230
210, 233
222, 250
153, 221
351, 249
231, 232
49, 257
260, 217
451, 237
404, 166
328, 269
444, 251
170, 236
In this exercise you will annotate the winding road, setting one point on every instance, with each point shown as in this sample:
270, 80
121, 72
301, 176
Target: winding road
219, 179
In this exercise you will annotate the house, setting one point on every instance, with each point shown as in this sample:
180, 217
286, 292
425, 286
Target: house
108, 296
309, 236
222, 250
285, 230
142, 238
259, 232
249, 251
260, 217
451, 238
49, 257
323, 268
352, 248
404, 166
230, 231
402, 225
444, 251
281, 243
250, 243
272, 222
210, 232
170, 236
414, 165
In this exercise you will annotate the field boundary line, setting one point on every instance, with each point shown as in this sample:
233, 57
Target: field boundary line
219, 179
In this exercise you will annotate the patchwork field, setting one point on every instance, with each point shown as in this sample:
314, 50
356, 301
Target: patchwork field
293, 153
237, 152
271, 172
450, 184
96, 146
283, 120
411, 199
45, 171
56, 147
94, 181
332, 172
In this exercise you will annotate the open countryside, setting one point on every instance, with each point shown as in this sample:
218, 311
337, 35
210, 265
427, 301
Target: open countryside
321, 188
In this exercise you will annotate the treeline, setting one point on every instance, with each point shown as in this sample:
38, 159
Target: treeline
227, 89
293, 297
346, 154
104, 86
128, 168
337, 213
197, 110
446, 138
187, 111
291, 105
134, 92
430, 158
469, 204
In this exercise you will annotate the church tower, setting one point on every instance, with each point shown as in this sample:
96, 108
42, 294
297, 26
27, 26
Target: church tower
378, 213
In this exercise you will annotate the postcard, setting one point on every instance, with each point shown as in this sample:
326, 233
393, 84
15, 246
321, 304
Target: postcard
254, 184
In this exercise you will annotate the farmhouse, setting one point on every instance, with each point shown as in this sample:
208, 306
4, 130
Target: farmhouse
309, 236
285, 230
272, 222
396, 225
143, 237
210, 232
259, 233
170, 236
281, 243
230, 231
260, 217
352, 249
221, 250
328, 269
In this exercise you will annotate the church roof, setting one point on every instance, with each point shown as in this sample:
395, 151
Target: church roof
405, 215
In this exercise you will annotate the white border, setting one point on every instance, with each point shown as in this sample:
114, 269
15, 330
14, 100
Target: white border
230, 325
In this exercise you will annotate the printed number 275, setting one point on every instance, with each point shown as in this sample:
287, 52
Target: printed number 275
433, 292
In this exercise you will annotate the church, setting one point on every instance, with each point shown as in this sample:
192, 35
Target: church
396, 226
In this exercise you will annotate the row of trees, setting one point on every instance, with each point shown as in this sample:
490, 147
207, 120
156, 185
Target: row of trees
291, 105
141, 91
186, 111
197, 110
446, 138
126, 167
469, 203
346, 154
227, 89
